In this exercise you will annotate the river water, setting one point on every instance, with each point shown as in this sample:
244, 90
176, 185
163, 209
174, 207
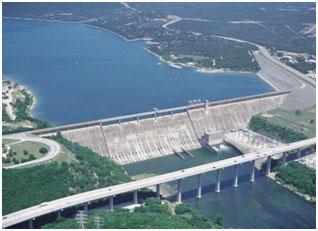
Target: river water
80, 74
262, 204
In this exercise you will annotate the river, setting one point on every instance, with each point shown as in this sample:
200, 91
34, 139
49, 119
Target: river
262, 204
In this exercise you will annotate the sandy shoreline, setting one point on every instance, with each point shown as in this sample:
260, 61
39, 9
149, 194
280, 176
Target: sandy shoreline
9, 108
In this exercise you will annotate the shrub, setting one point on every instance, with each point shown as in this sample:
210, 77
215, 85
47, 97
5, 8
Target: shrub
43, 150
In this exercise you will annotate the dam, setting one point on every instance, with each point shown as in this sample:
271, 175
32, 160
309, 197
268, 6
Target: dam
137, 137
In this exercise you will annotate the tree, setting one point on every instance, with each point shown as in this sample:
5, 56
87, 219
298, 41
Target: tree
218, 219
25, 152
182, 208
32, 157
298, 112
43, 150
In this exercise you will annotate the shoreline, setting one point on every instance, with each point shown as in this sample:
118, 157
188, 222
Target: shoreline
306, 197
21, 88
198, 69
148, 41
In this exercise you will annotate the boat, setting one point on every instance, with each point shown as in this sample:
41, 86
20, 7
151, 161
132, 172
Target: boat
175, 66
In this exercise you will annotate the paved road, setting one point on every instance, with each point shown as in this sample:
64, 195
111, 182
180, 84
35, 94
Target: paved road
274, 61
283, 77
62, 203
55, 148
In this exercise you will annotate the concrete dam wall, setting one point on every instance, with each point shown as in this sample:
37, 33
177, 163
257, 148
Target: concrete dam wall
160, 133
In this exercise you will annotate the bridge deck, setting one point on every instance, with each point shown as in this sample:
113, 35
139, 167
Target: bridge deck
62, 203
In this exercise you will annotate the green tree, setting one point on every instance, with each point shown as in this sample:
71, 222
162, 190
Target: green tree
43, 150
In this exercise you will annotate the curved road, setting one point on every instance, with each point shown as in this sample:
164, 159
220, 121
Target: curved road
55, 148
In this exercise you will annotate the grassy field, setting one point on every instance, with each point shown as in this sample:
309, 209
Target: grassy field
30, 146
8, 141
303, 118
65, 155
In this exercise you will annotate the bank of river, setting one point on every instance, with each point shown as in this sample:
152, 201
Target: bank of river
79, 73
263, 204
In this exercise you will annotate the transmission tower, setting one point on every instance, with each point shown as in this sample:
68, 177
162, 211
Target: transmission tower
98, 221
81, 218
73, 148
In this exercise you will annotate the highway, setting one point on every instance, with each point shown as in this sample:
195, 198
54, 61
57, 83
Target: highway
53, 206
55, 148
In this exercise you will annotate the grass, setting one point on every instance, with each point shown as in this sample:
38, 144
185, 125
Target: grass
143, 176
306, 115
32, 148
8, 141
64, 155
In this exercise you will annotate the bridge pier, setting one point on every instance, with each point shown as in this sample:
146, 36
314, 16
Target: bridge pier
218, 180
136, 196
199, 186
268, 165
179, 192
235, 181
86, 207
158, 191
58, 213
30, 221
298, 153
111, 203
312, 148
252, 176
284, 157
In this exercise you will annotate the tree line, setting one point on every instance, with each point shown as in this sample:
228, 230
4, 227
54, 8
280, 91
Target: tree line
299, 176
151, 215
260, 124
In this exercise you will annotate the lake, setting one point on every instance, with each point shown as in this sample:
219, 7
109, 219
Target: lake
78, 73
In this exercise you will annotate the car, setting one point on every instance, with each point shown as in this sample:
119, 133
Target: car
235, 161
43, 204
182, 171
213, 167
5, 217
110, 189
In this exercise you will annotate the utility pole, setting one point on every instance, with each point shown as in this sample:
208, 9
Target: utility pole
81, 218
98, 221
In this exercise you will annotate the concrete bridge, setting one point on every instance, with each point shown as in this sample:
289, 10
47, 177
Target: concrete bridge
83, 198
137, 137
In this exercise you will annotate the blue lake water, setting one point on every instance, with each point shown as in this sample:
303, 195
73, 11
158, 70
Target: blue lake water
79, 73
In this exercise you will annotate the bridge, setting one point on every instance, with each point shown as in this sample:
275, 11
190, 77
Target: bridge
83, 198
